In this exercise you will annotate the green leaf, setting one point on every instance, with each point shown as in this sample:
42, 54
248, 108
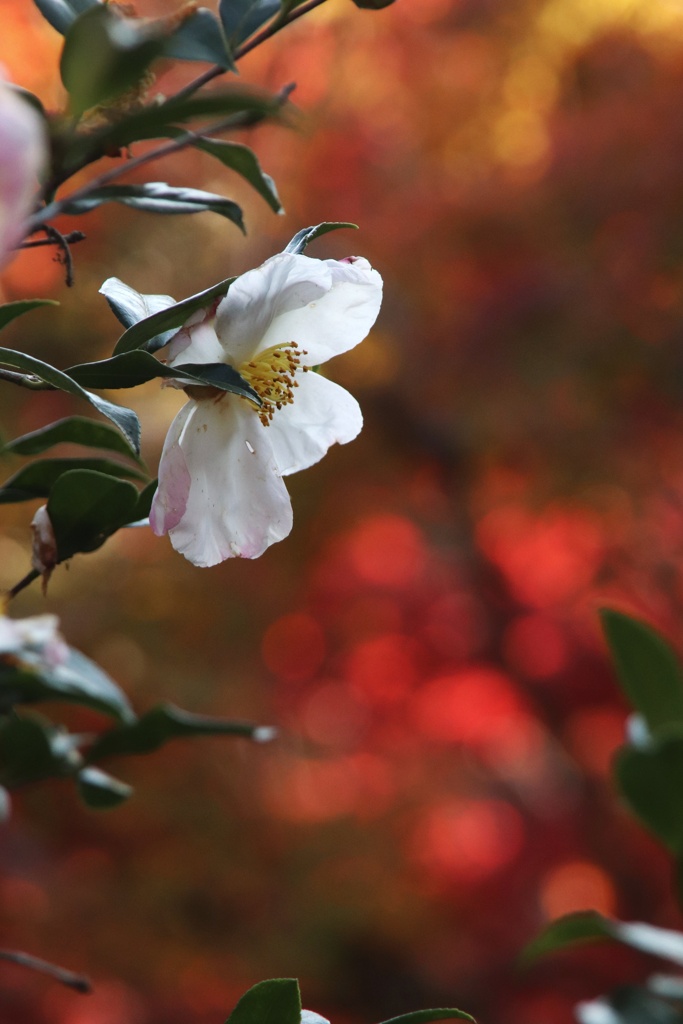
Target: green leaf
86, 507
647, 667
241, 159
246, 105
651, 781
307, 235
373, 5
105, 54
72, 430
241, 18
589, 926
128, 305
150, 331
144, 504
100, 790
130, 369
158, 197
426, 1016
269, 1002
125, 419
38, 479
165, 723
200, 37
11, 310
61, 14
31, 750
78, 680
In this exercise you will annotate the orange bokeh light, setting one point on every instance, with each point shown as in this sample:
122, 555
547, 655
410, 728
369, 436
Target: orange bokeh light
468, 840
577, 885
388, 550
293, 647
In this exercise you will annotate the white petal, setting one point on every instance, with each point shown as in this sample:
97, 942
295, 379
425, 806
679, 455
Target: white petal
131, 304
321, 414
281, 284
170, 500
196, 342
311, 1017
237, 503
337, 320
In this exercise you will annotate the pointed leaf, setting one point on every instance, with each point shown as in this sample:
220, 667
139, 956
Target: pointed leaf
269, 1002
105, 53
148, 332
158, 197
10, 310
38, 479
86, 507
77, 680
130, 369
100, 790
651, 781
241, 159
241, 18
129, 306
61, 14
165, 723
125, 419
648, 669
72, 430
426, 1016
566, 932
307, 235
200, 37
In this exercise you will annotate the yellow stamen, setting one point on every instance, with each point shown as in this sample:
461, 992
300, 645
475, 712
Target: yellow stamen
271, 375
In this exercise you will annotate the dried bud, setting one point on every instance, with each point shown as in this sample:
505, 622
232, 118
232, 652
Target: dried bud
44, 553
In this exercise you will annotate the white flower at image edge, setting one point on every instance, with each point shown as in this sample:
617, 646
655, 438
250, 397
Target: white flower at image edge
221, 492
23, 156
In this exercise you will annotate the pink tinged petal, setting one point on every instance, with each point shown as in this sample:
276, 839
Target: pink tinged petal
170, 500
321, 415
237, 503
280, 285
338, 319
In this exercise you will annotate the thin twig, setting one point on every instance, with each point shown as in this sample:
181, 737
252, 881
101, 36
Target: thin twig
251, 44
26, 380
76, 981
21, 585
73, 236
37, 222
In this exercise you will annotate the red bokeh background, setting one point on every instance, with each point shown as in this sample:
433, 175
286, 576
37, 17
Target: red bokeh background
427, 639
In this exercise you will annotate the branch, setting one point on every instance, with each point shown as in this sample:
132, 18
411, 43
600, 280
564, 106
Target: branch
68, 978
38, 221
251, 44
17, 589
26, 380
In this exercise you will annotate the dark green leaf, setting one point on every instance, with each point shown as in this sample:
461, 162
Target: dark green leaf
158, 197
241, 18
105, 53
148, 333
130, 369
77, 680
647, 667
568, 931
200, 37
426, 1016
269, 1002
38, 479
144, 504
86, 507
651, 781
61, 14
129, 306
73, 430
373, 5
245, 105
31, 750
101, 791
165, 723
125, 419
306, 235
241, 159
10, 310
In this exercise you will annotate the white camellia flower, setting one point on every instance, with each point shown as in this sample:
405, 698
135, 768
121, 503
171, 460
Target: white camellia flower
23, 156
221, 492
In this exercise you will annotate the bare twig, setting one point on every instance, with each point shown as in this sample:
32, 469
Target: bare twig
76, 981
17, 589
251, 44
26, 380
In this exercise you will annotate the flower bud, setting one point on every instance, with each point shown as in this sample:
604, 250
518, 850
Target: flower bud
44, 553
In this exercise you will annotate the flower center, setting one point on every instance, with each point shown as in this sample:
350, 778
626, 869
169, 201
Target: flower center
271, 375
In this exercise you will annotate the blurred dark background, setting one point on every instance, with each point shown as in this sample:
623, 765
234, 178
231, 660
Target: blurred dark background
427, 638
